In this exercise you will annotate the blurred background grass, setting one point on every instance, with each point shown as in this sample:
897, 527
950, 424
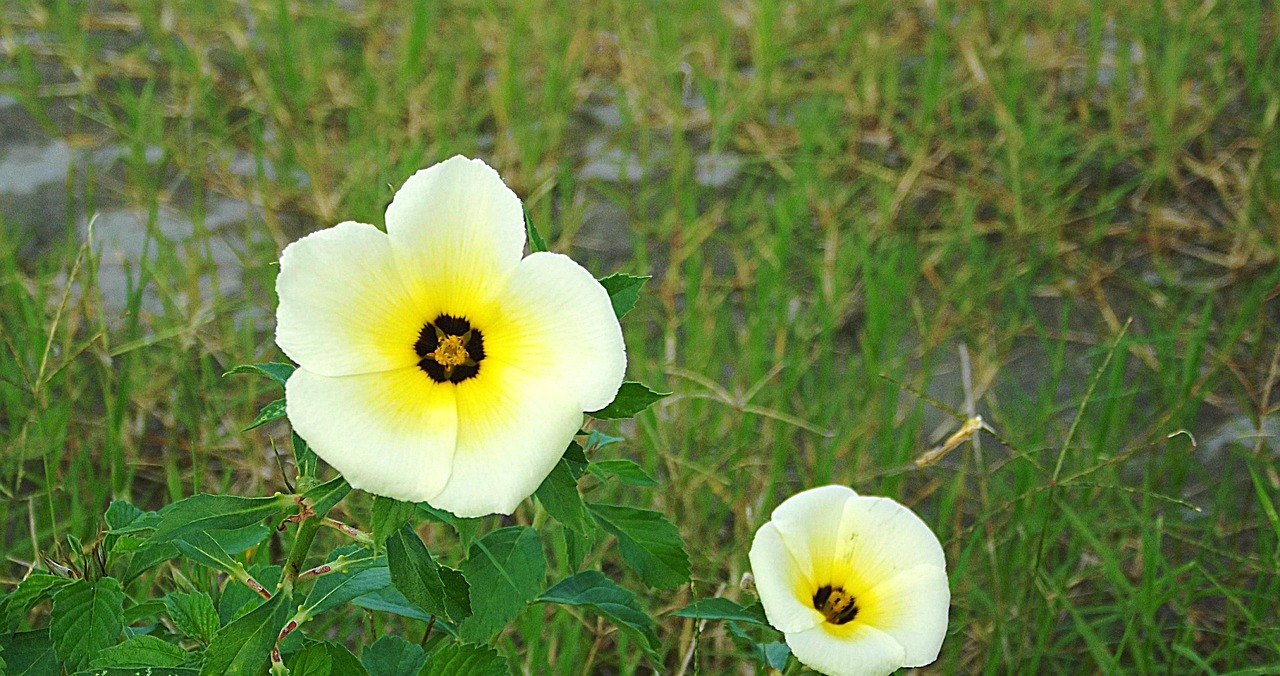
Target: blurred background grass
824, 193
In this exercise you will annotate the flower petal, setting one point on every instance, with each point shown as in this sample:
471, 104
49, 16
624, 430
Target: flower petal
911, 607
512, 430
879, 538
861, 650
390, 433
557, 323
343, 306
457, 226
784, 587
809, 522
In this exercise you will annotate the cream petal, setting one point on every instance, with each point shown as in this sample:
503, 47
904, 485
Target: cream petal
784, 587
512, 430
457, 228
557, 323
879, 538
344, 308
860, 651
809, 523
911, 607
391, 434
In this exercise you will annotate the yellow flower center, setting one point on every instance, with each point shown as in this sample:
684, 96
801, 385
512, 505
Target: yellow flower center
450, 352
449, 349
835, 604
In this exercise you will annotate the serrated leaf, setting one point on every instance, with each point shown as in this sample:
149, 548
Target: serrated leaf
141, 651
134, 671
272, 411
277, 371
29, 653
648, 542
559, 495
716, 608
465, 527
464, 659
434, 588
536, 243
393, 656
29, 592
632, 398
326, 495
592, 589
313, 660
237, 599
118, 515
388, 516
575, 457
216, 512
506, 569
627, 472
361, 577
193, 614
624, 291
243, 646
85, 619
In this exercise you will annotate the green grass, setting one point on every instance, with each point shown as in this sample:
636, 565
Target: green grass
1018, 180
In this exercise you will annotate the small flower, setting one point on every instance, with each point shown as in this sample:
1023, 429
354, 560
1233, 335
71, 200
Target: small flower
434, 362
857, 584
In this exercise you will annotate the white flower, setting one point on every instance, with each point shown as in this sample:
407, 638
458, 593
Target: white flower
434, 362
857, 584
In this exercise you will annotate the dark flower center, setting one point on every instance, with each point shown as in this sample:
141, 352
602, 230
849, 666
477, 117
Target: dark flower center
835, 604
449, 349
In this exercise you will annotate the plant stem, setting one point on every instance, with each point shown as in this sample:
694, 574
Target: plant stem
306, 534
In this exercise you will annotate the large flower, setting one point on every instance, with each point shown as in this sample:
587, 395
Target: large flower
434, 362
857, 584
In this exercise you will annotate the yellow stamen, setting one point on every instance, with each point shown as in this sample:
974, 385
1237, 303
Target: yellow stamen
451, 352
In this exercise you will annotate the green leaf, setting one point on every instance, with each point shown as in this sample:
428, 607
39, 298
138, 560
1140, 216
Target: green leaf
632, 398
29, 653
272, 411
277, 371
774, 654
560, 497
624, 291
27, 594
393, 656
134, 671
237, 599
359, 578
464, 659
216, 512
390, 600
576, 458
389, 515
206, 551
432, 587
320, 658
303, 456
118, 515
326, 495
243, 646
313, 660
716, 608
141, 651
593, 590
506, 569
597, 440
627, 472
648, 542
193, 614
465, 527
86, 619
536, 243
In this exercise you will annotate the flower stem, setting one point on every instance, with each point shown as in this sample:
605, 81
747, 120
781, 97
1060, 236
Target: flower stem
306, 534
